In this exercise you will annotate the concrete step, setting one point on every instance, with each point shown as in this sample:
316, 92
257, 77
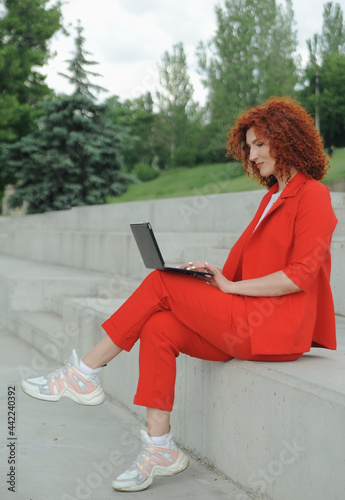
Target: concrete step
112, 257
90, 446
254, 422
86, 315
114, 287
340, 213
191, 214
287, 420
200, 213
43, 331
338, 273
55, 335
262, 412
338, 200
102, 251
98, 238
32, 285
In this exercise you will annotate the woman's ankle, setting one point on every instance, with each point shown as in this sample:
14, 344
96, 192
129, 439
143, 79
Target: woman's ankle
160, 440
86, 369
158, 422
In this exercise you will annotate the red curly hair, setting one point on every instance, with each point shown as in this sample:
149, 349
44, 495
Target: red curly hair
291, 135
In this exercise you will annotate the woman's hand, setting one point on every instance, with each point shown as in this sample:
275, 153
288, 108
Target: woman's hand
217, 280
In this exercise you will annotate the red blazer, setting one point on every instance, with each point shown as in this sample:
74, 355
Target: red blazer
295, 237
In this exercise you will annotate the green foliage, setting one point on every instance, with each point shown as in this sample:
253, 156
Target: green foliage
137, 117
80, 151
178, 121
74, 159
326, 65
331, 40
250, 57
76, 155
172, 135
207, 180
79, 75
332, 105
25, 30
145, 172
337, 164
202, 180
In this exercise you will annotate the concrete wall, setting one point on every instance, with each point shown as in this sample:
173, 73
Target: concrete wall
275, 429
98, 238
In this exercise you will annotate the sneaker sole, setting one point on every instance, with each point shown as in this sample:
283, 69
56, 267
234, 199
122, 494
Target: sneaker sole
94, 398
179, 466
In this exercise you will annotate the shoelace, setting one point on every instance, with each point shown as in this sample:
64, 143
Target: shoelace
57, 372
140, 457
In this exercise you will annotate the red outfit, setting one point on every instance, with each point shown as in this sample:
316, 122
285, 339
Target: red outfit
172, 313
295, 236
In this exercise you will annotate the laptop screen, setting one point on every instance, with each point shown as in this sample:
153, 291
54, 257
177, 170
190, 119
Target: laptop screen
147, 245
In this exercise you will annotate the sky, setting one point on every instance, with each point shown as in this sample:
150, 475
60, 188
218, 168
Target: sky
128, 38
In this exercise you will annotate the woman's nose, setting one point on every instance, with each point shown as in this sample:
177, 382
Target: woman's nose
253, 155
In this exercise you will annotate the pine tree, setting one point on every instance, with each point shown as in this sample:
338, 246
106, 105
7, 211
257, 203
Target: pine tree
76, 156
79, 75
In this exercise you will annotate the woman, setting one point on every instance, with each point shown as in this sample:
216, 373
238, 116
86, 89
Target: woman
271, 301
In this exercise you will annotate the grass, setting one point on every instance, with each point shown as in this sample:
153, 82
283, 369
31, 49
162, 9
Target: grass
209, 179
337, 162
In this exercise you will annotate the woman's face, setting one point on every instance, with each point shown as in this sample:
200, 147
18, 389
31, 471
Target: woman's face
259, 153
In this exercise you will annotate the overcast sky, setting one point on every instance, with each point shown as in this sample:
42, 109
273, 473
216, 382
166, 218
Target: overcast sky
128, 38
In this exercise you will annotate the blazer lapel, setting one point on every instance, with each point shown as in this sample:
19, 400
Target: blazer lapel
290, 191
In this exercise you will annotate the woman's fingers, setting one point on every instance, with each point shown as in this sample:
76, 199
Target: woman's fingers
197, 265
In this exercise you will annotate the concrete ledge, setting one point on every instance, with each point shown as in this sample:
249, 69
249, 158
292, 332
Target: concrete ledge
275, 429
98, 238
90, 446
113, 251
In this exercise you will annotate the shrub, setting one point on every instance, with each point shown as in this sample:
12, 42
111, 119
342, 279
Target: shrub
145, 172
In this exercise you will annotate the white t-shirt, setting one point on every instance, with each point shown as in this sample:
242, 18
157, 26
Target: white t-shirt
273, 199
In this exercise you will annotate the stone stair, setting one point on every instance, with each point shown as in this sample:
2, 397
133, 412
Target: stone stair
275, 429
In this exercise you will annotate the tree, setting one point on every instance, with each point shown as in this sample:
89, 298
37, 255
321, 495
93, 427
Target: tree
323, 92
26, 28
250, 57
332, 102
76, 156
177, 117
333, 31
137, 116
79, 75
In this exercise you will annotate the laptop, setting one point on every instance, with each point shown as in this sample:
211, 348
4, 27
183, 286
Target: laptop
150, 252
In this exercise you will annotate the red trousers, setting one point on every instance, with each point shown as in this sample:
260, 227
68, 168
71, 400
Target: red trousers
173, 313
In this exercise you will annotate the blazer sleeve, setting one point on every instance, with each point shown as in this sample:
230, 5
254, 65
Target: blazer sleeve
314, 225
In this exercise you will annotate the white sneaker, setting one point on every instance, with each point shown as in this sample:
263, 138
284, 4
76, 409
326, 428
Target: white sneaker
68, 382
153, 461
